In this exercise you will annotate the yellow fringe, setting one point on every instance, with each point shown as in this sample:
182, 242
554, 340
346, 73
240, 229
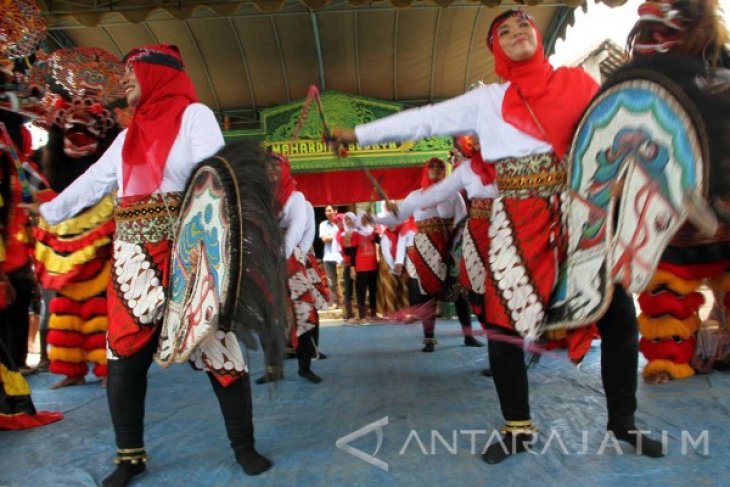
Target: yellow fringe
95, 325
2, 250
71, 355
14, 383
676, 284
64, 322
58, 264
75, 323
80, 291
665, 327
558, 334
676, 371
91, 218
96, 356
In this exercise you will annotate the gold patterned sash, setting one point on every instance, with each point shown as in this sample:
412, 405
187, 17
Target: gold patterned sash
151, 219
538, 175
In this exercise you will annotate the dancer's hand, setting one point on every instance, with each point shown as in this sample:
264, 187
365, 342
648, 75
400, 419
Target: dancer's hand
353, 273
392, 207
33, 209
398, 269
343, 135
339, 140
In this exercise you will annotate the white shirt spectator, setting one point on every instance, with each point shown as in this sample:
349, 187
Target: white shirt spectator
331, 249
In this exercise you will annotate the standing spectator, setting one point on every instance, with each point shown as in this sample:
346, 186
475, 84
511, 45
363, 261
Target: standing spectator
393, 284
365, 265
332, 256
347, 250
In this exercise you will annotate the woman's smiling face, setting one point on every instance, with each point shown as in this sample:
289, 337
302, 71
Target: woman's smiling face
517, 38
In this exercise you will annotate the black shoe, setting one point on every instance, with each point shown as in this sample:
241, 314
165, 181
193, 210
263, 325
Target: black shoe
429, 347
470, 341
270, 376
25, 370
644, 445
253, 462
487, 372
721, 366
122, 476
321, 356
310, 376
509, 445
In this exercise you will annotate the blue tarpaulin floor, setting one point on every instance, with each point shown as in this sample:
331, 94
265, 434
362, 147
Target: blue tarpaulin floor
425, 417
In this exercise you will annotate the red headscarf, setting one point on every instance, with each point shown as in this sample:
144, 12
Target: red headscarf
486, 172
287, 185
407, 226
166, 93
425, 180
557, 97
392, 235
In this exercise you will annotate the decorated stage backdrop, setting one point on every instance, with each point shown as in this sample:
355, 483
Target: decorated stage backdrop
325, 179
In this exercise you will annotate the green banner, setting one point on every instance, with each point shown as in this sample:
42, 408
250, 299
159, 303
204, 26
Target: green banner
309, 154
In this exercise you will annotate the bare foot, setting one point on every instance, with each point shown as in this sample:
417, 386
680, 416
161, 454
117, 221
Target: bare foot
69, 381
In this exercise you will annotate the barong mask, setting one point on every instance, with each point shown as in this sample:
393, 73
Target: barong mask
686, 27
22, 30
84, 96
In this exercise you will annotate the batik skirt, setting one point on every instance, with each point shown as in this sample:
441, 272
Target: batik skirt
428, 256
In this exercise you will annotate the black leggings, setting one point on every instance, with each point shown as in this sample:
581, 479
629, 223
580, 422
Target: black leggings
619, 363
14, 322
367, 281
347, 295
426, 307
463, 312
428, 314
127, 389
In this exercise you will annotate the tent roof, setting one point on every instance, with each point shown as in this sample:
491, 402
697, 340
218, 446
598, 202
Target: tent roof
245, 56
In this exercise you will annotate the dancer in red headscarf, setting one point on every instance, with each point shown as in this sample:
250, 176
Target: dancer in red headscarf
525, 126
307, 295
149, 163
428, 253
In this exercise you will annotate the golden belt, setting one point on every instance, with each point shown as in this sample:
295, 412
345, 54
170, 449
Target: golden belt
480, 208
435, 224
540, 180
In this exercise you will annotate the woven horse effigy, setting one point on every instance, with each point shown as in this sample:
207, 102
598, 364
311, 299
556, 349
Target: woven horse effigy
648, 191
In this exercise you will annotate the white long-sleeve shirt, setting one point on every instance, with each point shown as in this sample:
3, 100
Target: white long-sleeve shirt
385, 246
478, 111
446, 202
199, 137
308, 236
293, 221
404, 241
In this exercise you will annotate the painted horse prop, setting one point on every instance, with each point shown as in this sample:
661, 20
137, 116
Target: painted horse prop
227, 274
640, 179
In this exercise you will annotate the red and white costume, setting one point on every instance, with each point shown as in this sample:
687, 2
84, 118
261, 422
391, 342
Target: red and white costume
510, 252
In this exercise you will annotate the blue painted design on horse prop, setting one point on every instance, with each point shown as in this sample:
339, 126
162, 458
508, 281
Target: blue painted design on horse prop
638, 101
